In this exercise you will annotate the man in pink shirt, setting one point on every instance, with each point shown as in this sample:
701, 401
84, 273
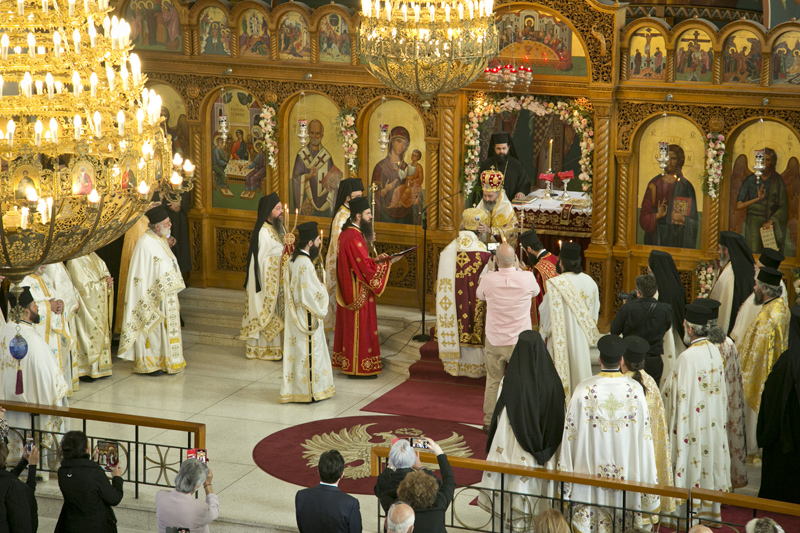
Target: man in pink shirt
507, 292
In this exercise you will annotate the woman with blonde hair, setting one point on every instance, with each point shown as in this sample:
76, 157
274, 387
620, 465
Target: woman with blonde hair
550, 521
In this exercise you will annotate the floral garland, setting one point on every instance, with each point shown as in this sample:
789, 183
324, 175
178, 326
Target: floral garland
796, 284
269, 123
348, 134
705, 278
571, 112
715, 153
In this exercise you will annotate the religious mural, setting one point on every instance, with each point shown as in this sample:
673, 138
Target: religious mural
215, 36
670, 203
294, 41
253, 34
786, 59
541, 41
694, 58
647, 55
155, 25
334, 39
174, 112
238, 162
317, 167
741, 58
772, 200
399, 172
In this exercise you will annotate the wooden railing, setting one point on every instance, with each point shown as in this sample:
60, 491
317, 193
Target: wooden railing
196, 436
680, 494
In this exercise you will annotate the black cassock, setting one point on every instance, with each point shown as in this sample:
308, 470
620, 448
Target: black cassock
778, 430
515, 178
180, 230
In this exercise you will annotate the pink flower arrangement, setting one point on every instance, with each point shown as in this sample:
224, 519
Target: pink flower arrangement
349, 137
705, 278
715, 153
269, 124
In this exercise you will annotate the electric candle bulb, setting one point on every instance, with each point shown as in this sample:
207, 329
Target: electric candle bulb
41, 208
71, 8
110, 77
93, 196
56, 44
388, 10
143, 189
26, 84
140, 120
141, 163
39, 86
49, 81
93, 84
45, 6
114, 38
188, 168
86, 6
123, 73
416, 13
177, 161
97, 119
404, 9
121, 123
59, 87
1, 87
366, 6
136, 69
92, 34
124, 34
31, 45
40, 50
447, 13
54, 129
31, 195
4, 45
461, 11
176, 180
38, 133
11, 128
76, 83
76, 39
21, 7
78, 123
377, 8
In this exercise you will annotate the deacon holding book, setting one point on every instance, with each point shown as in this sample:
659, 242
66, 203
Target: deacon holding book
151, 325
348, 189
356, 348
669, 206
307, 372
262, 322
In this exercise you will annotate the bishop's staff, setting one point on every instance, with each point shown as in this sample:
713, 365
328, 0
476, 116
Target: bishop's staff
373, 190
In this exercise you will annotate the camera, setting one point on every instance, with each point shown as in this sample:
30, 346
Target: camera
29, 445
418, 442
627, 296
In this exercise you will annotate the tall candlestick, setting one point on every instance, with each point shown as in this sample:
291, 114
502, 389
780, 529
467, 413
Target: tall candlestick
550, 157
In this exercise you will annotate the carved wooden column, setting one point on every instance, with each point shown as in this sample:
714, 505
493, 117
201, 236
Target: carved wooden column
355, 52
273, 45
713, 226
195, 41
235, 41
433, 182
198, 158
717, 73
448, 166
625, 63
623, 168
670, 66
314, 48
600, 180
766, 68
187, 40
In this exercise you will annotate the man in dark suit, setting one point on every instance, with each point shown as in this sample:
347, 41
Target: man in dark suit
645, 317
324, 508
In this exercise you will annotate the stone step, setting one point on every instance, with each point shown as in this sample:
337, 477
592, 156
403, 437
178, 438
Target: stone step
212, 299
214, 335
205, 316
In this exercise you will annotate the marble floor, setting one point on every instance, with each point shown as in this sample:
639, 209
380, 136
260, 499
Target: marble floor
237, 400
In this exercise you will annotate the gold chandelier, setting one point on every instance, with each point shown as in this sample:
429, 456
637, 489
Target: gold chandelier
81, 141
427, 47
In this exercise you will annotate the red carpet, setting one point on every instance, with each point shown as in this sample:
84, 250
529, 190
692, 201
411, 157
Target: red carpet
292, 454
431, 392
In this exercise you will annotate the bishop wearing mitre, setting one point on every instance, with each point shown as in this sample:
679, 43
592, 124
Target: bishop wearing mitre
503, 225
95, 288
262, 322
307, 374
151, 325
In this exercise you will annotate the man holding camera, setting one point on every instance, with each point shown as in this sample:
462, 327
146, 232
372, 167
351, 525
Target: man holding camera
644, 316
507, 292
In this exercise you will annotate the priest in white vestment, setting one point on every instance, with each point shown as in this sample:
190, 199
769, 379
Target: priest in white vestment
695, 400
607, 433
42, 382
307, 374
52, 325
65, 291
568, 318
348, 189
749, 309
503, 224
151, 325
764, 341
734, 283
263, 318
460, 315
95, 287
735, 425
526, 430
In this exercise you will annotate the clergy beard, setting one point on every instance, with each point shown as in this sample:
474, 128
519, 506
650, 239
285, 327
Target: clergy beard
277, 223
366, 229
35, 318
313, 252
559, 270
530, 259
758, 296
501, 159
489, 205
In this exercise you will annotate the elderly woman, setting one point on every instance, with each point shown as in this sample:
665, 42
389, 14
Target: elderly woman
429, 500
402, 460
179, 508
88, 496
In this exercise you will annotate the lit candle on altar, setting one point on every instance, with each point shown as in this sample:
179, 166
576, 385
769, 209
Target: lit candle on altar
550, 157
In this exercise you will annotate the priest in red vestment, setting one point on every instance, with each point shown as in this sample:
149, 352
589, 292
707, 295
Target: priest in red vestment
356, 348
543, 265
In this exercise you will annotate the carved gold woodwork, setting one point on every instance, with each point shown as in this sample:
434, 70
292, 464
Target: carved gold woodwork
623, 162
601, 225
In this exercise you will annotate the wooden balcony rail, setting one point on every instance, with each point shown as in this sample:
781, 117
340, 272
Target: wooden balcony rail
196, 428
727, 498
